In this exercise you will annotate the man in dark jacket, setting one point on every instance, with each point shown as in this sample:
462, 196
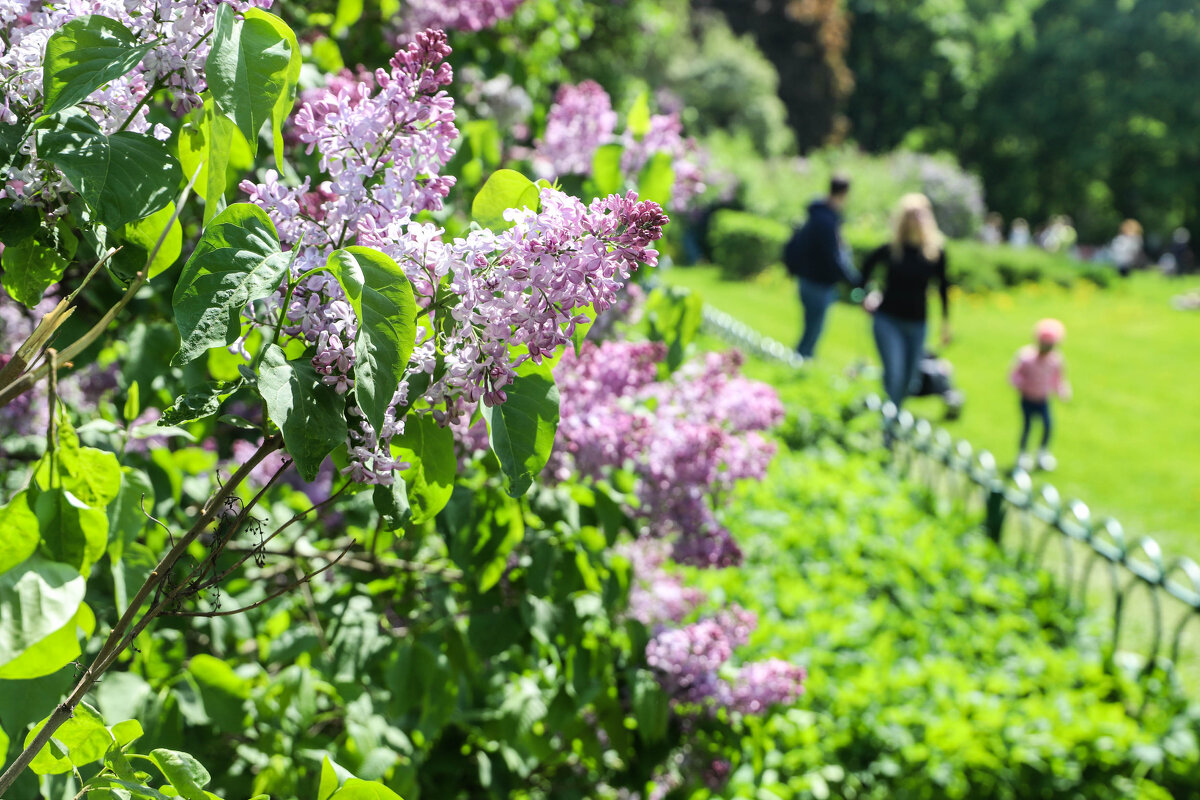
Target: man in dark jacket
817, 256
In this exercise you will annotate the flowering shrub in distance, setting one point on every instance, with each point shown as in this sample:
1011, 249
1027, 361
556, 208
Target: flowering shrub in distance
582, 121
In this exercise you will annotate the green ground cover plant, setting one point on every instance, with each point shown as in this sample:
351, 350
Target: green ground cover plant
940, 669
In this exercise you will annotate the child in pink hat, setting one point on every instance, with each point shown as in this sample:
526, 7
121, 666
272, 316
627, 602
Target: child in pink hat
1037, 373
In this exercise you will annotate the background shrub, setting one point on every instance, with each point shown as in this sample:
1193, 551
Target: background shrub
744, 244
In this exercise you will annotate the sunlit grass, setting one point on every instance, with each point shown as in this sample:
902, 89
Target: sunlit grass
1128, 444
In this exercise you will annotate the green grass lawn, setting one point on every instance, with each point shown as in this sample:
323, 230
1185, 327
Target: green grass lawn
1128, 444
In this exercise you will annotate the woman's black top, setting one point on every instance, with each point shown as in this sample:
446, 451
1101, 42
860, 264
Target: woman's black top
907, 281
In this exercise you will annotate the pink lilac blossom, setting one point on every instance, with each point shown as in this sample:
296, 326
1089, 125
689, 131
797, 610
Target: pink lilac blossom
655, 595
689, 661
488, 300
180, 30
580, 121
459, 15
665, 135
688, 439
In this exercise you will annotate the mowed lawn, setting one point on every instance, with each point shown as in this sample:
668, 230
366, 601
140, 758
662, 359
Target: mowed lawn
1128, 443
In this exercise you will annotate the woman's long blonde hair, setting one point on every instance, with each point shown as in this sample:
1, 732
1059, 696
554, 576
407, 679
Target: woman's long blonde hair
914, 224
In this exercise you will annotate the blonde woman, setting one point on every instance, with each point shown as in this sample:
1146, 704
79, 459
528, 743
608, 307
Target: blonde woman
915, 256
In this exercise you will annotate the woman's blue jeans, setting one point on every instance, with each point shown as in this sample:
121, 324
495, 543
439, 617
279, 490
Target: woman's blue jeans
900, 343
816, 298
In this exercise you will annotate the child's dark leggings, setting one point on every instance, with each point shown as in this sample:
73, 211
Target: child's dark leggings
1030, 409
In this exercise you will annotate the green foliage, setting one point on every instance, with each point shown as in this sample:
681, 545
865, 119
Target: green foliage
31, 267
40, 597
213, 149
237, 261
728, 85
379, 292
505, 189
938, 668
656, 179
85, 54
252, 70
1021, 92
521, 429
145, 234
673, 316
429, 450
743, 244
123, 177
311, 415
606, 169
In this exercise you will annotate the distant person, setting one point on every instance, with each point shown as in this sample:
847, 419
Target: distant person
1060, 235
992, 231
820, 260
1037, 373
1019, 235
915, 256
1181, 249
1126, 247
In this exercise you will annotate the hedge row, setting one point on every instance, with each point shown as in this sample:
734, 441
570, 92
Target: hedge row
744, 245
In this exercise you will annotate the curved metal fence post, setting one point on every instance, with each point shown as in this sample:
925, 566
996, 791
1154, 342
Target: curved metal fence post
996, 510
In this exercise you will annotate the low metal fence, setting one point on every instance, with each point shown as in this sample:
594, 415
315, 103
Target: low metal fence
1025, 520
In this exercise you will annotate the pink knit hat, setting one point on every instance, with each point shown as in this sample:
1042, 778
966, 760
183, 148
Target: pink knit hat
1049, 331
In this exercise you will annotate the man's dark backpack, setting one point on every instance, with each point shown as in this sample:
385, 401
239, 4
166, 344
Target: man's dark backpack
795, 252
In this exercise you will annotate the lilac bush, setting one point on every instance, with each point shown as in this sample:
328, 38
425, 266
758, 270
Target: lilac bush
689, 439
459, 15
581, 120
489, 300
181, 31
690, 660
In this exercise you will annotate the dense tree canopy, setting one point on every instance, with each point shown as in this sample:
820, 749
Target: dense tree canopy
1063, 106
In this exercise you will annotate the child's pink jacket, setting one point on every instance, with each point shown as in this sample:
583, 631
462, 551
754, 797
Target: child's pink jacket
1036, 375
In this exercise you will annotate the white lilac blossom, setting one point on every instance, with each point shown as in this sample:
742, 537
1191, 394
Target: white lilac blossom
488, 300
688, 439
180, 30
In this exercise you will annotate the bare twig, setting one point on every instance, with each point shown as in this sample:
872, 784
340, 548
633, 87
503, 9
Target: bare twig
20, 385
156, 520
92, 273
125, 630
271, 596
261, 546
310, 605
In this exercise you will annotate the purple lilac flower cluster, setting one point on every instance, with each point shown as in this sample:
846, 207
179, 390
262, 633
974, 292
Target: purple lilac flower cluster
665, 135
181, 32
505, 297
458, 15
656, 595
689, 660
581, 119
689, 439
